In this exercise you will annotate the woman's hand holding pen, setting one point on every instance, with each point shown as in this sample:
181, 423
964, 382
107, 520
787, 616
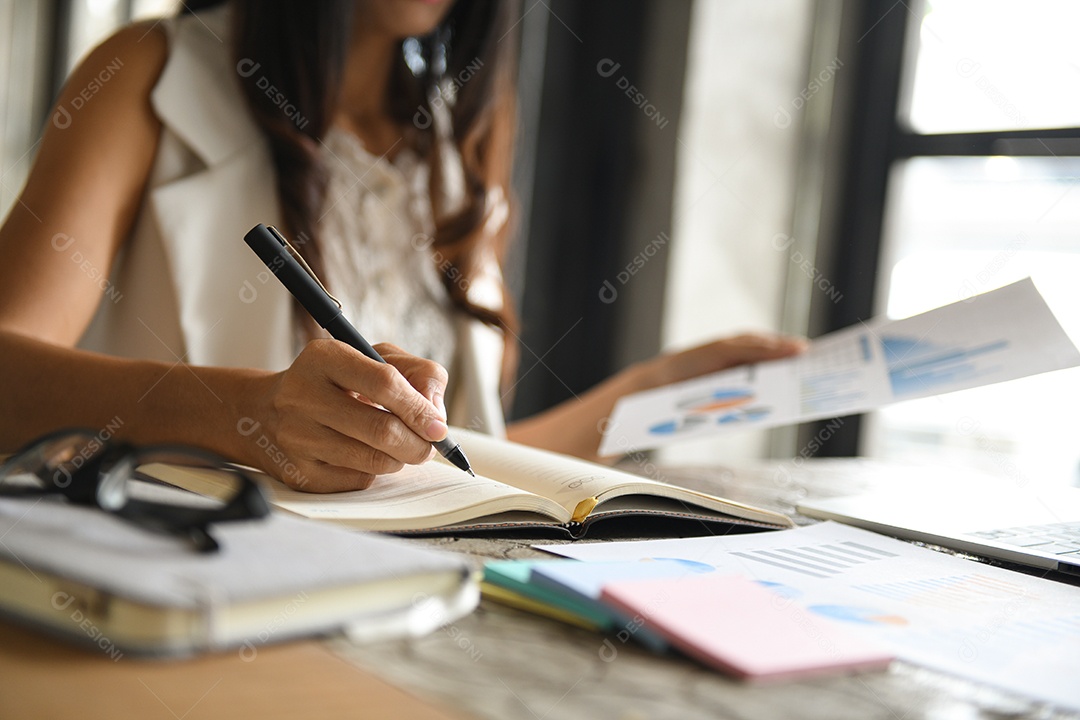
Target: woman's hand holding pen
338, 418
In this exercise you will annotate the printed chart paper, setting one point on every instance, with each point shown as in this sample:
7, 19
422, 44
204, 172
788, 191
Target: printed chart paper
1008, 629
1001, 335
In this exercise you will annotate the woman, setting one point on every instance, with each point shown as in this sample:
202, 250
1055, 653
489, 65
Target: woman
377, 134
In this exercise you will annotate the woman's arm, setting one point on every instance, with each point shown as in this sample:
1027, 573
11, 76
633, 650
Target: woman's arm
574, 426
305, 425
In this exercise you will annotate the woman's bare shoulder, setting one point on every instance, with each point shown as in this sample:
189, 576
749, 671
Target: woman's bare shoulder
136, 51
87, 183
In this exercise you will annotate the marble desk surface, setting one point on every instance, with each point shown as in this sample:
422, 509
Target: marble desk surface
501, 663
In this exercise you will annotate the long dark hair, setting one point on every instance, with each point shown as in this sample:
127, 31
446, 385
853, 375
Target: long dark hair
300, 48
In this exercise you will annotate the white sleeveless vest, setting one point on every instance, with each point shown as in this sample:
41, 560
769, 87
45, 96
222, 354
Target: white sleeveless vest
189, 287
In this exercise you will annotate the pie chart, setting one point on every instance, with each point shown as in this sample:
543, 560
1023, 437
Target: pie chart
859, 615
720, 399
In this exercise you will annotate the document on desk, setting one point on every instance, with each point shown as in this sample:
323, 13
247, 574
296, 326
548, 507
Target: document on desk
1001, 335
1011, 630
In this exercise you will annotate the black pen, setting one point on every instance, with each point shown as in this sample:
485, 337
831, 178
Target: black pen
289, 267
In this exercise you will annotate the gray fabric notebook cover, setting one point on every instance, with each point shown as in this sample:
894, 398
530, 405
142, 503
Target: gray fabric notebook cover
268, 558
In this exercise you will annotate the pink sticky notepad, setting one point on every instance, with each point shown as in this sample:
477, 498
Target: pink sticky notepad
738, 626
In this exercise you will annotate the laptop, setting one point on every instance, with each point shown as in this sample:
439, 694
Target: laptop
1039, 529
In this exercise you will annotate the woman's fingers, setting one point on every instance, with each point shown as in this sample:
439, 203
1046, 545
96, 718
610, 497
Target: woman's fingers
752, 347
428, 377
385, 385
332, 439
722, 354
332, 462
351, 418
318, 477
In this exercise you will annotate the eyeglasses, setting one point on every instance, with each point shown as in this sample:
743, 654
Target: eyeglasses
165, 488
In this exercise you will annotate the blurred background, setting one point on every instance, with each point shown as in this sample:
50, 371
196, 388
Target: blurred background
691, 168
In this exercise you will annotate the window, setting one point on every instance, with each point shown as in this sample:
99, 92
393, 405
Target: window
40, 43
980, 186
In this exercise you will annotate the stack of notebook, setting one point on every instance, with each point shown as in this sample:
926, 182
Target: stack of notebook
725, 621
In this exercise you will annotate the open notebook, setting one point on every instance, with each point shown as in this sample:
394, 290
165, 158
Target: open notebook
517, 487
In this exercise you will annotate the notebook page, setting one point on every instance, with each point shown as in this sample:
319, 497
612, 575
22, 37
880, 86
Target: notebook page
417, 497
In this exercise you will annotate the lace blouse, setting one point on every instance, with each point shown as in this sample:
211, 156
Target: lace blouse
375, 237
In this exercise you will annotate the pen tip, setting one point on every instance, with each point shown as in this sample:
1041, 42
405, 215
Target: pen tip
469, 470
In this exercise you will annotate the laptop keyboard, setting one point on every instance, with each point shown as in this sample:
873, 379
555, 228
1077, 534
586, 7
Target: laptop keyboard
1055, 539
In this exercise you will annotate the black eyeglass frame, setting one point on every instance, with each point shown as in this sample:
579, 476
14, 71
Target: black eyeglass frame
100, 482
